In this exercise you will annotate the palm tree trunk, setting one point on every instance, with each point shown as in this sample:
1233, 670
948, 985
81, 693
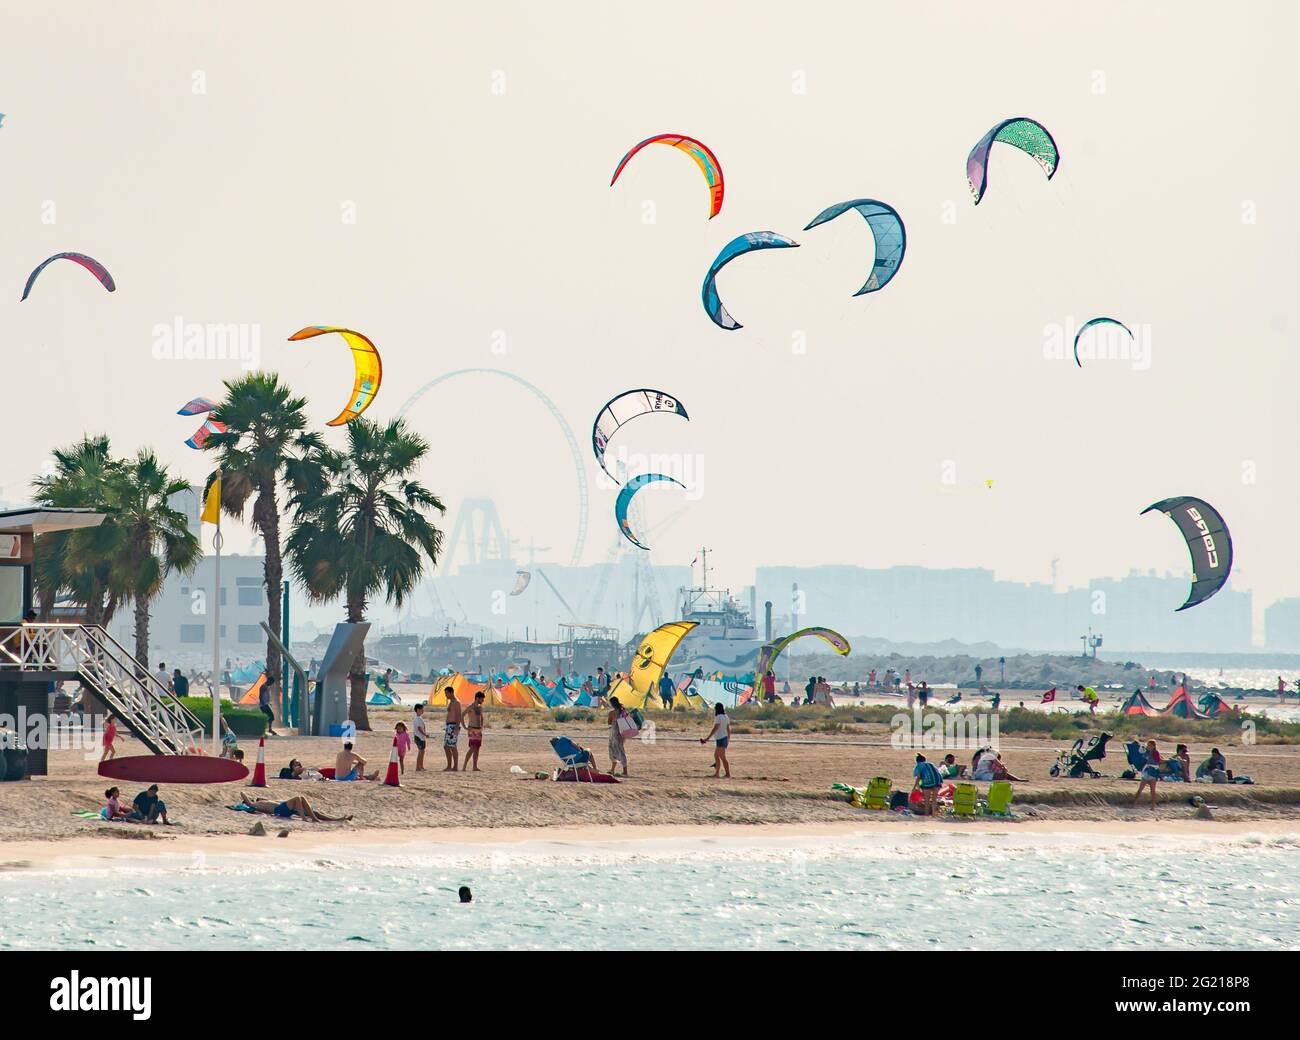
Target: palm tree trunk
357, 711
142, 631
266, 517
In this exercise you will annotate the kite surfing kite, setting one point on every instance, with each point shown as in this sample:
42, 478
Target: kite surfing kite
1029, 135
624, 501
88, 262
370, 370
622, 410
1089, 324
649, 663
738, 246
768, 655
197, 407
887, 228
697, 150
1207, 540
522, 578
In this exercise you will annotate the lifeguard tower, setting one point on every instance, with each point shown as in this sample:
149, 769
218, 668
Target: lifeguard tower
35, 655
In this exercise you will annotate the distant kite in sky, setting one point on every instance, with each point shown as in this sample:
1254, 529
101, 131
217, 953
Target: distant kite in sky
697, 150
88, 262
198, 406
1029, 135
624, 501
887, 229
738, 246
1208, 541
622, 410
1089, 324
205, 431
369, 369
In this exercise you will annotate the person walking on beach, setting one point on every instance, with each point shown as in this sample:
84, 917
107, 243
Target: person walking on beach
602, 683
926, 778
1150, 774
1090, 698
451, 731
474, 728
721, 732
419, 734
666, 691
617, 752
264, 702
110, 738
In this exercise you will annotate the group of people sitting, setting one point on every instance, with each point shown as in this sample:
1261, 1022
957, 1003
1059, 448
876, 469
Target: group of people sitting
928, 778
146, 807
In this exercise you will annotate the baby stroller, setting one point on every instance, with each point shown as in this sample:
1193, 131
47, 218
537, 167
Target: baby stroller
1077, 761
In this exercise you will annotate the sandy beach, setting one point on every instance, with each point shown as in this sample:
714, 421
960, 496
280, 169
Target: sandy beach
781, 783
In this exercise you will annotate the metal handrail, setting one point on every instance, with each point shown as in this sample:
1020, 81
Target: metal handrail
147, 707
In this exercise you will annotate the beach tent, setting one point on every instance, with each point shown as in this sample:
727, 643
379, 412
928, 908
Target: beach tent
517, 694
1180, 705
1212, 705
250, 695
1137, 705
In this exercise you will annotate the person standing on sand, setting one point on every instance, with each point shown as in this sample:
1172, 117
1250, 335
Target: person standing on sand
264, 702
451, 731
402, 741
721, 732
474, 727
180, 684
927, 778
419, 734
110, 738
769, 687
617, 752
1150, 774
163, 676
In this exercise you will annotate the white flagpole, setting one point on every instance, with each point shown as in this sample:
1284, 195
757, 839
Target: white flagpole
216, 637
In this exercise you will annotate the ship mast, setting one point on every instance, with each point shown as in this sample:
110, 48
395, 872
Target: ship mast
704, 567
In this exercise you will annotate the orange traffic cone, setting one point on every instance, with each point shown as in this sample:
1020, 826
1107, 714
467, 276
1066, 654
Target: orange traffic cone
259, 770
391, 778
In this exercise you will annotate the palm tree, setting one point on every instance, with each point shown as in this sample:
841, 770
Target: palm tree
156, 539
78, 563
265, 441
360, 528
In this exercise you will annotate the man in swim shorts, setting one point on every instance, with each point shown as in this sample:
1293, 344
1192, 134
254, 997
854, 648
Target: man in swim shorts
288, 809
348, 765
474, 727
451, 731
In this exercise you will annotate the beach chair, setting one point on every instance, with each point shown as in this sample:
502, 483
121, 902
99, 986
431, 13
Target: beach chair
965, 799
999, 803
571, 755
877, 793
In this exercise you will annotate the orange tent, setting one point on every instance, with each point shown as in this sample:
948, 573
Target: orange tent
250, 695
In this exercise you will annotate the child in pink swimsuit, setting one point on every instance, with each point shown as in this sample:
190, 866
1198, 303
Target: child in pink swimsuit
403, 741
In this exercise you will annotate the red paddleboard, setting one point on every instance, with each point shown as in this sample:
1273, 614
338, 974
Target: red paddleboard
173, 769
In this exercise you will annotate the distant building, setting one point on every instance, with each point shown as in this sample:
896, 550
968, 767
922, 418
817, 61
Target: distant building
1282, 625
180, 618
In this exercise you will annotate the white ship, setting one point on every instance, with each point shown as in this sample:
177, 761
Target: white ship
727, 639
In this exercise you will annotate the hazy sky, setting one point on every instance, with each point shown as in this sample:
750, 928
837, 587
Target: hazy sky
213, 157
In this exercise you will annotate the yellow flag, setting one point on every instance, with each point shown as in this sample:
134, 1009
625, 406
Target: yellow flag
212, 504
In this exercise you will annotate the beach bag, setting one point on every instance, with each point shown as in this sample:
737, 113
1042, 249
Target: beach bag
637, 718
627, 725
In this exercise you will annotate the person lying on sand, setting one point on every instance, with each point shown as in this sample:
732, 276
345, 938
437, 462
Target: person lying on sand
348, 765
291, 807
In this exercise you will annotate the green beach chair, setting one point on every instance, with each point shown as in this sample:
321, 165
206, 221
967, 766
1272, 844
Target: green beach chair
965, 800
1000, 794
877, 795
